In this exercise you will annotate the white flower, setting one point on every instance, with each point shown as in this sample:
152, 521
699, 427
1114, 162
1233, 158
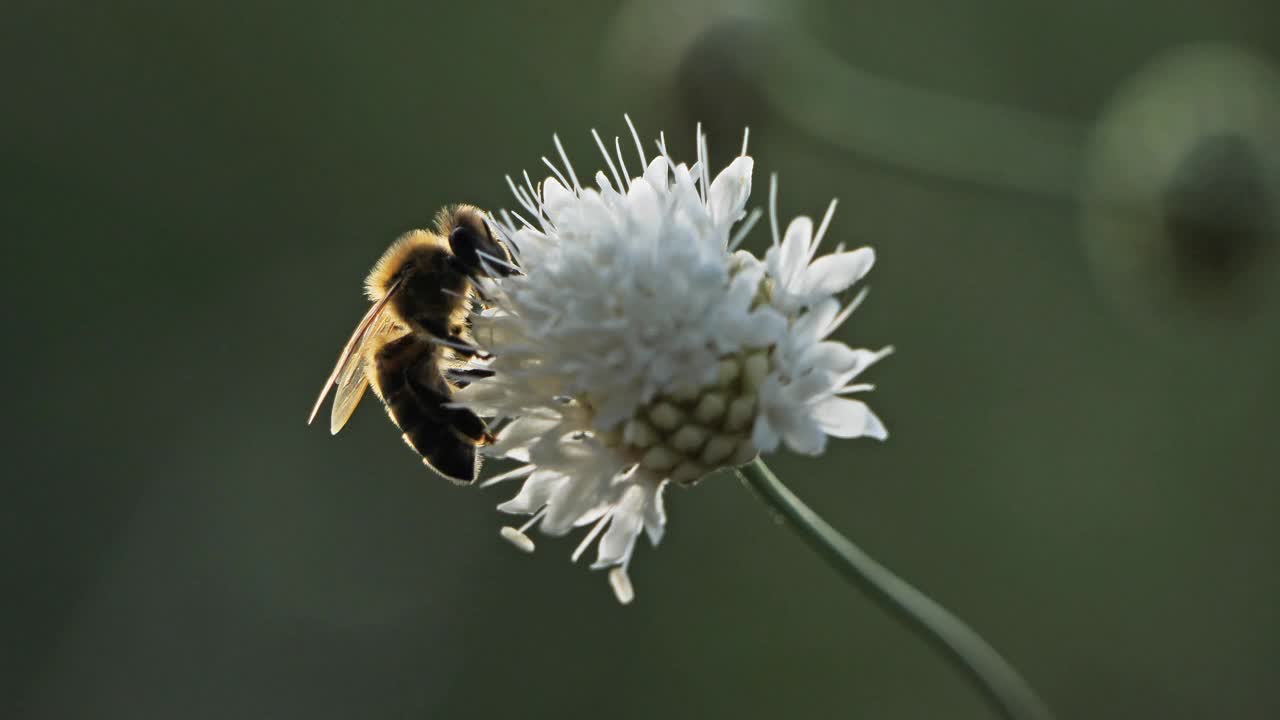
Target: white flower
639, 348
803, 401
799, 280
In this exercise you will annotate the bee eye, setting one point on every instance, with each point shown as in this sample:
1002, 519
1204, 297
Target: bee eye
465, 243
478, 251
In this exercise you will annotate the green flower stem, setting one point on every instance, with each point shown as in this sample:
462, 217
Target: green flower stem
990, 673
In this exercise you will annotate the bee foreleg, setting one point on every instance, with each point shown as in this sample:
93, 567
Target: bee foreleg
452, 340
462, 377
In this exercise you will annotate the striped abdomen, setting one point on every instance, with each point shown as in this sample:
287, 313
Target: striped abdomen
409, 379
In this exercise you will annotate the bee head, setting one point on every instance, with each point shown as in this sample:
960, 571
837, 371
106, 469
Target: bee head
473, 243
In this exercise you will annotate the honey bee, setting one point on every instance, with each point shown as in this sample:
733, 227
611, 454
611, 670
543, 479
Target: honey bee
413, 344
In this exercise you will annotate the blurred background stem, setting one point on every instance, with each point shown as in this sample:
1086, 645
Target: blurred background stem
960, 644
938, 134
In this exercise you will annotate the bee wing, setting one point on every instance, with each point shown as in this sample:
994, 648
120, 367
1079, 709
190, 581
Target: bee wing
353, 380
353, 356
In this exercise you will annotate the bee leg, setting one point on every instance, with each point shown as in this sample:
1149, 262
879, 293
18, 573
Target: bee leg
485, 300
438, 405
471, 426
454, 341
461, 378
415, 396
467, 424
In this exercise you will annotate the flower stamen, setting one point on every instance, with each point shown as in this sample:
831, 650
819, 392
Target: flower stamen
617, 147
518, 537
773, 209
822, 228
590, 536
617, 179
568, 166
636, 136
556, 171
621, 585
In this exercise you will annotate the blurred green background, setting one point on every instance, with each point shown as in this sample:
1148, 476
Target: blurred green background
191, 194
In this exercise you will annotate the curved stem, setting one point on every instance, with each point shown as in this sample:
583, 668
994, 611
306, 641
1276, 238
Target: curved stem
990, 673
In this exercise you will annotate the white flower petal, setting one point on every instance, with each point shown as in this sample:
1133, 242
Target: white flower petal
831, 274
483, 398
812, 325
606, 187
795, 251
625, 525
643, 204
556, 199
764, 327
863, 359
809, 385
657, 173
534, 494
520, 433
875, 429
833, 357
842, 417
764, 436
727, 198
571, 501
655, 515
806, 438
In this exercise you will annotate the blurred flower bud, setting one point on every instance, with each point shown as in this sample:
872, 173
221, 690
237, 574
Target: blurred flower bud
717, 83
1182, 196
693, 57
726, 64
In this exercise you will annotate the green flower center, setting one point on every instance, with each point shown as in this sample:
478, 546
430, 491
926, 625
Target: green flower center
684, 435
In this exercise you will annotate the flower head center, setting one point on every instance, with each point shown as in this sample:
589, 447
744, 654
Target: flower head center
687, 433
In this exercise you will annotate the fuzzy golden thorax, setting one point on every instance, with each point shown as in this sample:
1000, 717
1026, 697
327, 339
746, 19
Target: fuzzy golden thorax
461, 214
407, 249
433, 295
